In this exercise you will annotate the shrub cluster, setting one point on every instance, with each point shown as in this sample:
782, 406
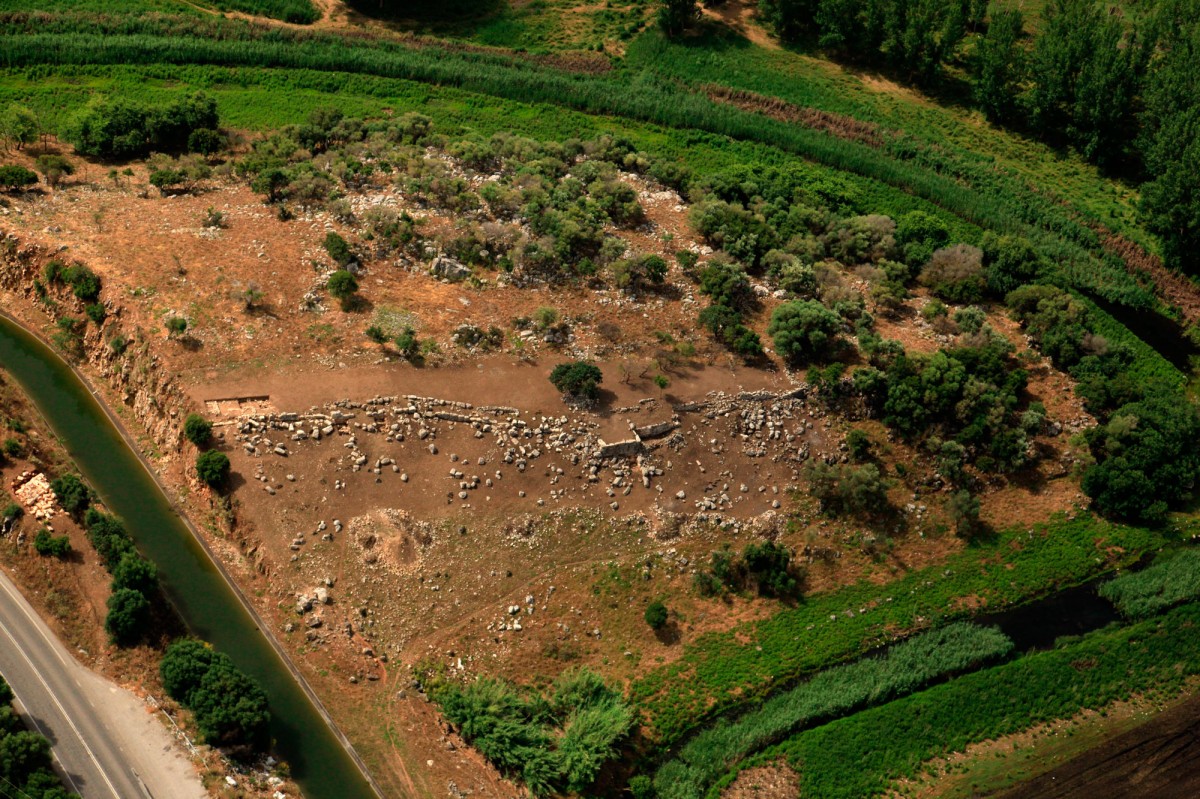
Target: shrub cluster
230, 708
122, 128
134, 590
84, 283
554, 743
1144, 463
766, 566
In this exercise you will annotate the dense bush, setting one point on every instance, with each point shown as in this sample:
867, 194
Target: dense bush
108, 537
842, 488
128, 616
555, 743
955, 274
835, 692
197, 429
765, 566
230, 707
656, 615
72, 493
213, 468
1147, 461
912, 37
577, 379
343, 287
16, 177
51, 545
122, 128
804, 331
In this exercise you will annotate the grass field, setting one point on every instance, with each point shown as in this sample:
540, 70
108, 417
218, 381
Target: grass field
721, 671
850, 757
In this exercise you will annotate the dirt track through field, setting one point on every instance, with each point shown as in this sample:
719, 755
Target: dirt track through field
1155, 760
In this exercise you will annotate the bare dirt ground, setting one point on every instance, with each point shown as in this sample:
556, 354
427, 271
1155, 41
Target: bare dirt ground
772, 781
742, 18
500, 550
1135, 748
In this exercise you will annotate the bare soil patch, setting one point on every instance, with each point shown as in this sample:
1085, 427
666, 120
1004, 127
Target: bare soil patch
773, 781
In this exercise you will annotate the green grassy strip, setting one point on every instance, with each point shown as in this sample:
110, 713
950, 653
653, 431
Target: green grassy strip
864, 754
901, 670
981, 196
1149, 367
263, 99
721, 671
1173, 579
724, 59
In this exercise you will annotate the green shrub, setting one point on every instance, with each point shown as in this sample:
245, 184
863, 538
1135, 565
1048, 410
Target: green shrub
136, 573
656, 615
555, 743
71, 493
212, 467
230, 708
108, 537
577, 379
176, 325
955, 274
16, 177
128, 616
339, 250
842, 488
342, 286
122, 128
197, 429
1146, 458
804, 330
44, 543
26, 763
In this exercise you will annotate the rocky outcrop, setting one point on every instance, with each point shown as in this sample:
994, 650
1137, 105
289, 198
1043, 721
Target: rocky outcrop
135, 374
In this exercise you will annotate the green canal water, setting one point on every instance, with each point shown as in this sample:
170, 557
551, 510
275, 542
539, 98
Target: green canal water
319, 764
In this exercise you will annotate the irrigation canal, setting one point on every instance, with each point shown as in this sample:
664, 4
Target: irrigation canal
321, 764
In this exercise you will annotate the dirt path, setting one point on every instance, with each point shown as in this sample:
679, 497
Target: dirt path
741, 17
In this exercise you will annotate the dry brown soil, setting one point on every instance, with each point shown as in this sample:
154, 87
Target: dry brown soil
419, 576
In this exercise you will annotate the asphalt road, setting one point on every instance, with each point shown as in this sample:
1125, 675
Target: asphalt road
54, 694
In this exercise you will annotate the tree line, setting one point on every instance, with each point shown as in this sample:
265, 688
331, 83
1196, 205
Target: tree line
1123, 93
26, 768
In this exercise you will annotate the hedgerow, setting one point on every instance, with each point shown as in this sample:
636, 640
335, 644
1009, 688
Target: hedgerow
902, 669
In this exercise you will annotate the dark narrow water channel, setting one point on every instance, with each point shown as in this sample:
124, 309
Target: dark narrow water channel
319, 763
1069, 612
